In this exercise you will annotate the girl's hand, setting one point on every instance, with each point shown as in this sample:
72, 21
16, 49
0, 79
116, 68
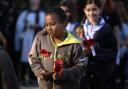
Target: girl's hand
45, 75
56, 75
87, 51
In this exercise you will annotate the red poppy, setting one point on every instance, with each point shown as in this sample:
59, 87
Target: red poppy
58, 65
91, 42
88, 43
45, 53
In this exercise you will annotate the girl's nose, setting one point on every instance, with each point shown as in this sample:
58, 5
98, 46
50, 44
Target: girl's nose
91, 12
49, 27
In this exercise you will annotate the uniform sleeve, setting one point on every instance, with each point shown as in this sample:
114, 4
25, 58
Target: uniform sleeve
8, 76
33, 59
79, 69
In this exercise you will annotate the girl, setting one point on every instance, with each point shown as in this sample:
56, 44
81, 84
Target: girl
56, 57
102, 49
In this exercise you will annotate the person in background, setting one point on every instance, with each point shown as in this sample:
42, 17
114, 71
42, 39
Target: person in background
111, 16
71, 15
56, 56
100, 46
8, 15
29, 22
122, 66
8, 79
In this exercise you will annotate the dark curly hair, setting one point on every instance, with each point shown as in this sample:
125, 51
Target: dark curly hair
59, 12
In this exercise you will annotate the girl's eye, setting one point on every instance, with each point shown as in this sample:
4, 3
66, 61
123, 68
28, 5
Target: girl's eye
87, 9
46, 25
52, 24
94, 9
91, 9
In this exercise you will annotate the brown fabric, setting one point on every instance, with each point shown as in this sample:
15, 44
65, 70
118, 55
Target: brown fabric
74, 63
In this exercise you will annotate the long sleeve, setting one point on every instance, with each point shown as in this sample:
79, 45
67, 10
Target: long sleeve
34, 61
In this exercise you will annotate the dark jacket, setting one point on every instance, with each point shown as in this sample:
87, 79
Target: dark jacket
106, 52
8, 78
106, 44
74, 61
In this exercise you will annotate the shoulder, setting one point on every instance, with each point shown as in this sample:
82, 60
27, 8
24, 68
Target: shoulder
107, 27
3, 54
43, 32
41, 35
108, 30
23, 13
42, 11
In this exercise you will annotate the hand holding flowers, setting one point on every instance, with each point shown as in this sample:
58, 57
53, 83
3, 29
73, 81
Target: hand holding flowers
58, 66
88, 45
44, 74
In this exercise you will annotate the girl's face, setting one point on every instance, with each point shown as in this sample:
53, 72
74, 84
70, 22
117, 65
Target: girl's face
34, 4
92, 13
54, 27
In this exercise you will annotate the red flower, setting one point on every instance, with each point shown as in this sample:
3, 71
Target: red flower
88, 43
58, 65
45, 53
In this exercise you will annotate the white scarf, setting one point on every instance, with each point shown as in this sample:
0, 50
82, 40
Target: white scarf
90, 30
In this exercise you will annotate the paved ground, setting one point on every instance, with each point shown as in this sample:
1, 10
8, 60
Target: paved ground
29, 87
